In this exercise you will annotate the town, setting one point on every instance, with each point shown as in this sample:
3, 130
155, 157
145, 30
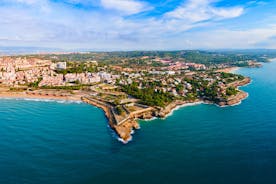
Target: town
139, 88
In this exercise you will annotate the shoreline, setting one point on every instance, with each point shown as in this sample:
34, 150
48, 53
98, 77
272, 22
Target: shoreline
24, 96
182, 106
178, 107
125, 130
229, 70
41, 100
235, 100
272, 60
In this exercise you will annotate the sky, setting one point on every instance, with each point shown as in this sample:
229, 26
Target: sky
106, 25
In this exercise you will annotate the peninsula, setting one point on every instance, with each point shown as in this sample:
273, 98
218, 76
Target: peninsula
126, 88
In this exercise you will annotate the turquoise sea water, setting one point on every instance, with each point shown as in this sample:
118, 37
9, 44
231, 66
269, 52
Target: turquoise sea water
50, 142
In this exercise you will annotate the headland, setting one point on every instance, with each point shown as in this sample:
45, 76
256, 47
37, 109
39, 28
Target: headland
126, 92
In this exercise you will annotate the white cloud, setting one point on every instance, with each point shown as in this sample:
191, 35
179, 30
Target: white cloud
42, 5
66, 27
28, 2
21, 1
226, 38
125, 6
202, 10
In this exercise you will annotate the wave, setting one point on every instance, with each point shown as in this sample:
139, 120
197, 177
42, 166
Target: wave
115, 135
123, 141
151, 119
247, 95
236, 104
43, 100
181, 106
236, 70
69, 101
227, 106
246, 84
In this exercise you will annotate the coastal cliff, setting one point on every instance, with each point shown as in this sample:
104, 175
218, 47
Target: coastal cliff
124, 128
236, 99
243, 82
233, 100
164, 112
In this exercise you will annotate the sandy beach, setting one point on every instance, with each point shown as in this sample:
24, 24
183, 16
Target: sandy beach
23, 95
229, 70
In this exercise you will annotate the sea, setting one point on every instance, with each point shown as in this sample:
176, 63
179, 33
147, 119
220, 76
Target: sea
59, 142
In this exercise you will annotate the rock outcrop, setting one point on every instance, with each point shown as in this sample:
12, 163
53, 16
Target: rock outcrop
125, 128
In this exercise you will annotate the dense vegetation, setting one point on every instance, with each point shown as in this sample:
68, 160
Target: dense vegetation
237, 58
148, 96
230, 77
35, 84
119, 109
231, 91
75, 87
78, 67
201, 89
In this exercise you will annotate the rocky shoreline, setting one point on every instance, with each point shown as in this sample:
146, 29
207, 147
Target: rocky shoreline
241, 95
125, 130
234, 100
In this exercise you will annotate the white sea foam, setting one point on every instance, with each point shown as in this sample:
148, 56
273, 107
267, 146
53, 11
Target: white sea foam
171, 113
245, 84
151, 119
181, 106
123, 141
272, 59
69, 101
225, 106
43, 100
247, 95
113, 133
235, 70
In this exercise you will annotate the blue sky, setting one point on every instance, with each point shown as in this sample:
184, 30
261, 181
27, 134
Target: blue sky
138, 24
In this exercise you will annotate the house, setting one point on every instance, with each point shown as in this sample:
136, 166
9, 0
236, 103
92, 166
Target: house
61, 66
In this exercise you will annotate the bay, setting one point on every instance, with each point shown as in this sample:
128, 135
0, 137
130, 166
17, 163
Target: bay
51, 142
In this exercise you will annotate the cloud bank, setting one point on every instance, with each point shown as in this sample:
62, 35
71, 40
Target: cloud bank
133, 25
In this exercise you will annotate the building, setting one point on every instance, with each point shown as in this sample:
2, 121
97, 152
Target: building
61, 66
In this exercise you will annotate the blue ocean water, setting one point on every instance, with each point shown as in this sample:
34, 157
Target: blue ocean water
50, 142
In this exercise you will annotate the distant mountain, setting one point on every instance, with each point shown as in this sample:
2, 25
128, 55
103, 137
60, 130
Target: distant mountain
44, 50
27, 50
246, 51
